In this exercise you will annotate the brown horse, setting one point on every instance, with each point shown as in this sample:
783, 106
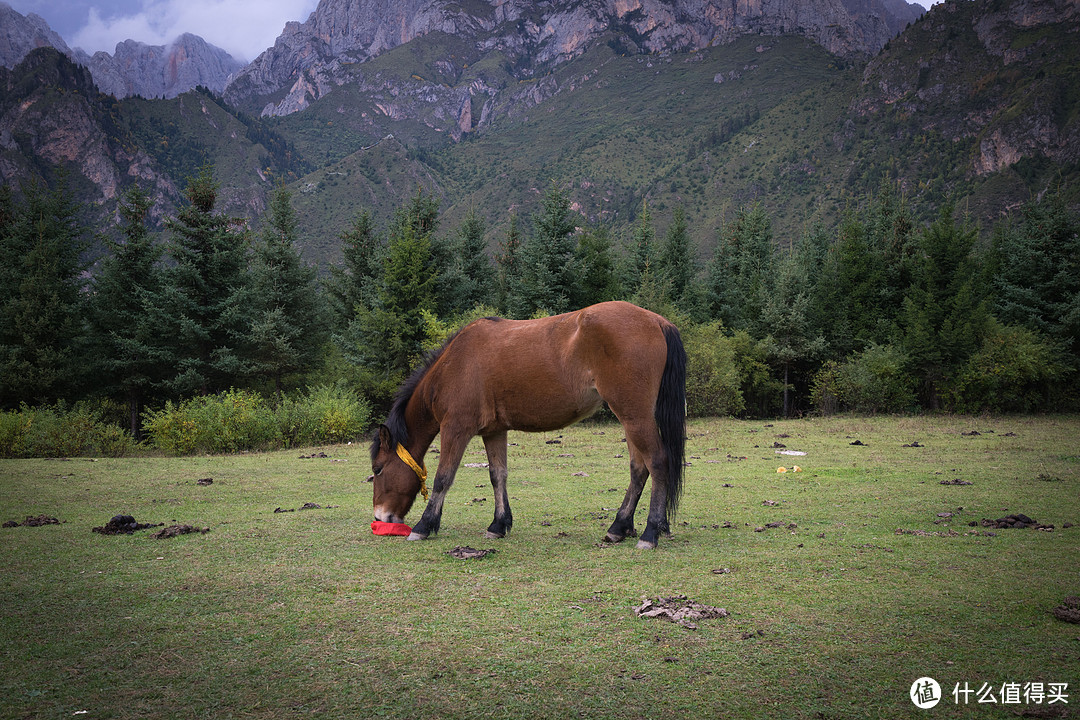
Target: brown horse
496, 375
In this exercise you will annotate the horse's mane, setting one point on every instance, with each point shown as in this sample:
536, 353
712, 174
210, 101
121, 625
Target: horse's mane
395, 421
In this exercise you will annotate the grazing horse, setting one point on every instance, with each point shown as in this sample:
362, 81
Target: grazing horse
496, 375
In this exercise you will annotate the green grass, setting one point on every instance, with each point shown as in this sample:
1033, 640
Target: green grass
307, 613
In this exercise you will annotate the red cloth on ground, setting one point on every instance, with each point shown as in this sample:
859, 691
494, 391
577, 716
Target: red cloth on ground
384, 528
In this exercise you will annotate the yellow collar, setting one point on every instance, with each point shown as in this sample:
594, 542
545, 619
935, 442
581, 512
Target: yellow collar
416, 468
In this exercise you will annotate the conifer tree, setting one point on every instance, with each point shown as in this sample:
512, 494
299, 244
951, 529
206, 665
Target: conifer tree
944, 317
42, 333
549, 271
740, 266
287, 331
389, 337
642, 256
598, 280
130, 350
355, 284
1035, 272
675, 259
792, 341
207, 296
466, 277
508, 263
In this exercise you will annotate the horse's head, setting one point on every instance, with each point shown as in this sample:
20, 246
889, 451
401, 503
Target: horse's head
396, 482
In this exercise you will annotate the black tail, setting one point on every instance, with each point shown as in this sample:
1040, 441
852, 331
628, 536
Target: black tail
671, 416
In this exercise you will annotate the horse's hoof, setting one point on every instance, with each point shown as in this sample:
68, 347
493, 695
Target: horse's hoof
416, 536
610, 538
488, 535
645, 545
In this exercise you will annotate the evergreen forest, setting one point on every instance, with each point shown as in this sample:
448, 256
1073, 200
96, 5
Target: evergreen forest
880, 313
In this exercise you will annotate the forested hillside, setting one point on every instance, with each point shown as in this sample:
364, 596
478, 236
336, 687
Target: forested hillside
829, 233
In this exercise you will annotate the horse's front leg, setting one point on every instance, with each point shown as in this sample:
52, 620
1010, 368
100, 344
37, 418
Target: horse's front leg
452, 450
496, 454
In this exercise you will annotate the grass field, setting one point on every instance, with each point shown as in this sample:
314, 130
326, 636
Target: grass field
833, 614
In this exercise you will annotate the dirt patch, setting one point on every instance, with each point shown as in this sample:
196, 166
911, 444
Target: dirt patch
1018, 520
204, 481
955, 481
680, 610
1069, 610
177, 530
33, 521
306, 506
123, 525
464, 552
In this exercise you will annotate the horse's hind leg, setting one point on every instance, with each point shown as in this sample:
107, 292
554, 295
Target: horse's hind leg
623, 525
646, 438
496, 454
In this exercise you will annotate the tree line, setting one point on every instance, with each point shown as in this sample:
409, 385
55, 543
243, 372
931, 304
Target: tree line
876, 314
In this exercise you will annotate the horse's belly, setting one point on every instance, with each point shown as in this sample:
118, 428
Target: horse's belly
540, 413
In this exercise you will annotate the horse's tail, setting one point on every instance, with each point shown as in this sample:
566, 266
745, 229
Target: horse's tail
670, 416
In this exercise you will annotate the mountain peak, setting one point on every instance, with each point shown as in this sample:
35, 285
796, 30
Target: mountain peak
536, 35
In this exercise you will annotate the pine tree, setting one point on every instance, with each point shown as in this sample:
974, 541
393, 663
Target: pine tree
675, 260
549, 271
740, 268
207, 295
1035, 271
355, 284
508, 263
394, 332
944, 318
287, 331
792, 340
642, 256
128, 344
466, 277
42, 333
598, 280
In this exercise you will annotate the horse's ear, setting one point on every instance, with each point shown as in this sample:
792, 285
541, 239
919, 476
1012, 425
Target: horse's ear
385, 441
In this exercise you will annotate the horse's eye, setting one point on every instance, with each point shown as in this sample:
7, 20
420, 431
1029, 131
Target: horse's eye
378, 470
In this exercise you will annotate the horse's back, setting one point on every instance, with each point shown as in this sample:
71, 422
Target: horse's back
547, 373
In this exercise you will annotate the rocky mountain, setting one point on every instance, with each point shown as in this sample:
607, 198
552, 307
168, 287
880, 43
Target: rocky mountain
19, 34
53, 121
528, 38
998, 80
52, 116
160, 70
134, 68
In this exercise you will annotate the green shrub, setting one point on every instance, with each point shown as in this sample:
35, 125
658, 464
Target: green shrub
57, 431
227, 422
712, 376
1015, 370
242, 420
323, 415
872, 381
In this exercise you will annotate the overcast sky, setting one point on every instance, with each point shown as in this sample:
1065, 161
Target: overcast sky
244, 28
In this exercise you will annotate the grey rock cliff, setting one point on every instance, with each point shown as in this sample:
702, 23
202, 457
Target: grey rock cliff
300, 67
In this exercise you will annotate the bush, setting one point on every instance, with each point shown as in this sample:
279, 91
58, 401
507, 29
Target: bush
712, 376
1015, 370
241, 420
56, 431
323, 415
872, 381
226, 422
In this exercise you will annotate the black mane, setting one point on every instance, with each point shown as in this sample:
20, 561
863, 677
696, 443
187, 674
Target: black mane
395, 421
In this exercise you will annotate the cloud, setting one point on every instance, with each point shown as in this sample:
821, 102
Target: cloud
244, 28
